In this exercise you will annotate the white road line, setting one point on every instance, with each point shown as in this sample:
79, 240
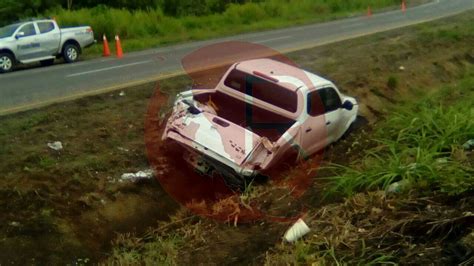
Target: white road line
273, 39
108, 68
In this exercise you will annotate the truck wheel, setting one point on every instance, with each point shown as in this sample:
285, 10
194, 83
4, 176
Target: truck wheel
237, 183
48, 62
7, 62
70, 53
358, 123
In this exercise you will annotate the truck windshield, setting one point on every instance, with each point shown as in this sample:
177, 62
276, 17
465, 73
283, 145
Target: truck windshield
8, 31
262, 89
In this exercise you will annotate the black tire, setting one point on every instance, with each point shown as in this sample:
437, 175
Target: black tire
48, 62
7, 62
356, 125
237, 183
71, 53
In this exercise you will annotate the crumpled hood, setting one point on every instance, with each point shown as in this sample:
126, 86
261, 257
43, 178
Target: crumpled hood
223, 137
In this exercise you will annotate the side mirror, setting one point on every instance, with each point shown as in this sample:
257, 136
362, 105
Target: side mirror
19, 35
348, 105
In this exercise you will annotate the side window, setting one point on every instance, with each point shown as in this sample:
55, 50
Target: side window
323, 101
315, 105
45, 27
331, 99
28, 29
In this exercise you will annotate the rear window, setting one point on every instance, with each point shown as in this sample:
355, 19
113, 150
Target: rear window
262, 89
45, 27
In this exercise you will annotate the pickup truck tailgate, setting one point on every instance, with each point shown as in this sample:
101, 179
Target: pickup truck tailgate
223, 137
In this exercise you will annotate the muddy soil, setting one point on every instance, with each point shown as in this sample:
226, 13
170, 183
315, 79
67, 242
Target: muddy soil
67, 206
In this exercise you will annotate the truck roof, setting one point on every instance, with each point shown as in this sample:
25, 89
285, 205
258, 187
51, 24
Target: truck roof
272, 68
26, 20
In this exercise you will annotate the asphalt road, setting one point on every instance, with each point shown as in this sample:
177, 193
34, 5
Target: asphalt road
31, 88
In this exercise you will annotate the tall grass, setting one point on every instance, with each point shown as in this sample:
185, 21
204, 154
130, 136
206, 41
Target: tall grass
420, 143
147, 28
155, 250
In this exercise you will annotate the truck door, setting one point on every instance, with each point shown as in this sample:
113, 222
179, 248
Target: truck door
49, 38
27, 44
314, 133
332, 111
322, 124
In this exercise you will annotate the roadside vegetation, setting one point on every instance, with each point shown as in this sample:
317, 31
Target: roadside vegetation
147, 24
405, 192
419, 120
419, 145
140, 29
408, 199
408, 196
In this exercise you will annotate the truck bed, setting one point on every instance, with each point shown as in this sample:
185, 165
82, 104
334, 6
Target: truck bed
262, 122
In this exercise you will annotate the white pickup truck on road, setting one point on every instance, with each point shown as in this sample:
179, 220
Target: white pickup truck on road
41, 41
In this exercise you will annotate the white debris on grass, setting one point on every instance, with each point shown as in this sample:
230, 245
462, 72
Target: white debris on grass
397, 187
57, 145
401, 68
296, 231
469, 145
122, 93
14, 224
140, 175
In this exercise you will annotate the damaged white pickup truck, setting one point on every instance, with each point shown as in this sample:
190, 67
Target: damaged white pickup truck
261, 111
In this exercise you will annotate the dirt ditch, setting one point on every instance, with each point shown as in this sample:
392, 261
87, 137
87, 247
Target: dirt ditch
61, 207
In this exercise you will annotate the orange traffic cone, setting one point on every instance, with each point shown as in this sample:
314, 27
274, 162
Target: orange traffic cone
106, 46
369, 12
404, 6
118, 47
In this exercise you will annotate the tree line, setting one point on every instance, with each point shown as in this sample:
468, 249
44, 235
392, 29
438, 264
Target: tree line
12, 10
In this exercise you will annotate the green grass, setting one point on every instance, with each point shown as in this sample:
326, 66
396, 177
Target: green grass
452, 33
324, 253
92, 129
154, 250
142, 29
420, 142
392, 82
157, 246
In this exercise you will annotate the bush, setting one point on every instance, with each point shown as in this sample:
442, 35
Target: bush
392, 82
420, 143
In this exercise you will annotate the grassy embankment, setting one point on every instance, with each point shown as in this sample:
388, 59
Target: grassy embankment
421, 146
74, 197
418, 144
150, 28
